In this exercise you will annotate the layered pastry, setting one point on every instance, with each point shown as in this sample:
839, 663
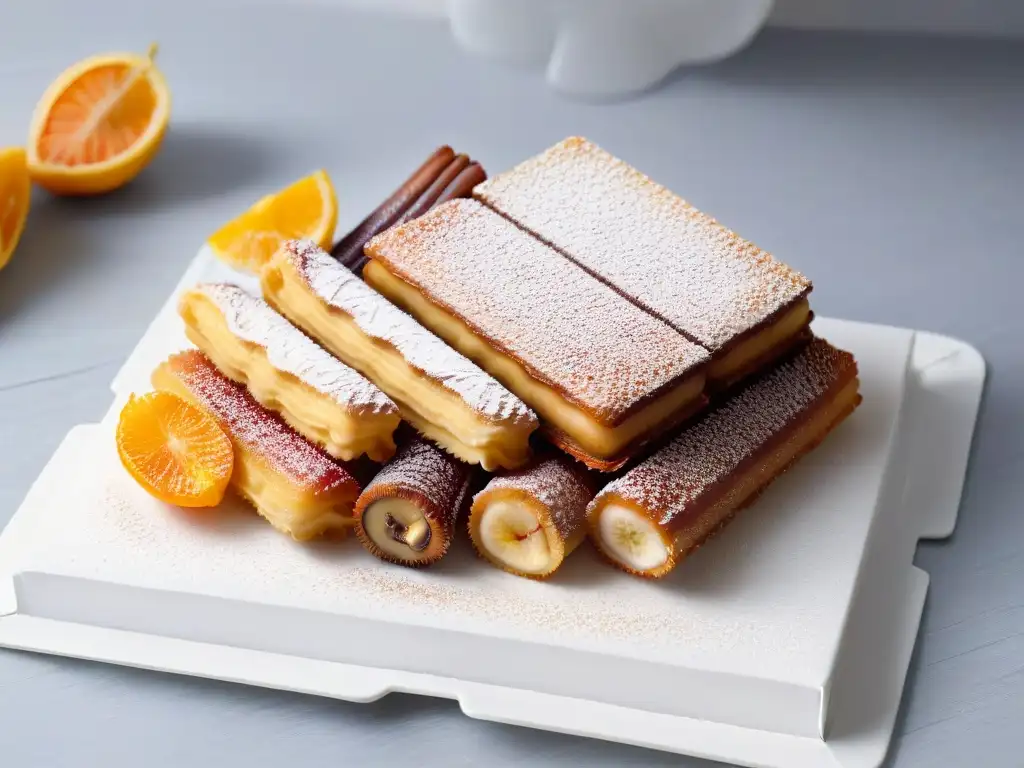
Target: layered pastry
443, 176
707, 282
656, 514
319, 396
407, 513
441, 393
295, 485
528, 521
605, 376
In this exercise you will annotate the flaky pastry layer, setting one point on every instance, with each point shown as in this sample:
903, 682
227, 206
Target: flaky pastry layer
303, 508
435, 411
303, 516
345, 433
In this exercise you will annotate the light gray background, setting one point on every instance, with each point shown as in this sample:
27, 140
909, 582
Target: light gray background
890, 170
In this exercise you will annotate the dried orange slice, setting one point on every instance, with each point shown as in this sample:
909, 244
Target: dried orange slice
307, 209
15, 191
174, 450
99, 124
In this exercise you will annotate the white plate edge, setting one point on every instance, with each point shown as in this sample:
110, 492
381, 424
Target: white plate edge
486, 702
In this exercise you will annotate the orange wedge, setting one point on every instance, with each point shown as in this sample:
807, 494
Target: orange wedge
99, 124
15, 191
307, 209
174, 450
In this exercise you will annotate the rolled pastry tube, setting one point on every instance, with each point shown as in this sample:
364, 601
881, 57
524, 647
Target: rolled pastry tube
647, 521
407, 513
528, 521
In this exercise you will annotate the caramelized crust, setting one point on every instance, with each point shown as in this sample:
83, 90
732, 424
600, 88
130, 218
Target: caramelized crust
652, 246
630, 449
297, 487
692, 487
565, 328
567, 426
598, 369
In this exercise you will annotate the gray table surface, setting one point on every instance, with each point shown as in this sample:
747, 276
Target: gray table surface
889, 170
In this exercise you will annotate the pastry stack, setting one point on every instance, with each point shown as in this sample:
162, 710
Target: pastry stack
575, 350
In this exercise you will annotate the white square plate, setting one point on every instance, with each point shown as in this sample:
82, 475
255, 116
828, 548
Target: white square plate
783, 642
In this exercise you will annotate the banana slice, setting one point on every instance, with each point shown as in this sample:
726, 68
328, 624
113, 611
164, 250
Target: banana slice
527, 522
630, 539
407, 513
513, 536
661, 511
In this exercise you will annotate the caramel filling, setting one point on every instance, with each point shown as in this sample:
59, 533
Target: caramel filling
602, 440
344, 433
759, 345
294, 508
399, 528
678, 536
436, 412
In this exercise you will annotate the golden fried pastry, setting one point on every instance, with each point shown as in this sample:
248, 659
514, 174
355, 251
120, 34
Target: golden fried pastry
652, 517
605, 376
407, 513
319, 396
528, 521
297, 487
678, 263
441, 393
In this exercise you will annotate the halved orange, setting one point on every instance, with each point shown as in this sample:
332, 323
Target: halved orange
99, 124
15, 191
306, 209
175, 450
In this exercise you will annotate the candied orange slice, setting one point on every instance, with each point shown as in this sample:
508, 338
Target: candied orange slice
99, 124
306, 209
174, 450
15, 191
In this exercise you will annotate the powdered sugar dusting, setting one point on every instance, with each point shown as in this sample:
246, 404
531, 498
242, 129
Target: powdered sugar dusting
571, 331
598, 617
667, 256
379, 319
253, 428
679, 475
289, 350
559, 483
422, 467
